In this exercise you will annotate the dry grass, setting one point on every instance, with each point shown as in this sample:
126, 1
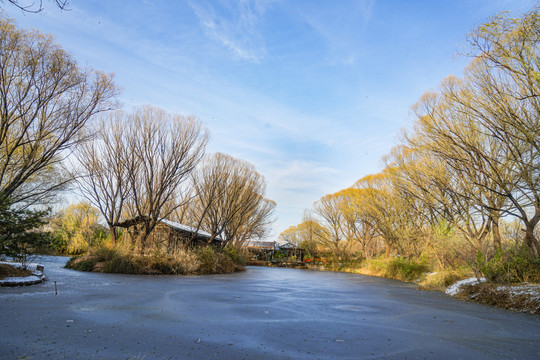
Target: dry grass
10, 271
200, 261
522, 298
392, 268
440, 280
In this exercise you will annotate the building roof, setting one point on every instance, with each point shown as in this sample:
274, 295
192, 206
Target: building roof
288, 245
178, 226
186, 228
270, 245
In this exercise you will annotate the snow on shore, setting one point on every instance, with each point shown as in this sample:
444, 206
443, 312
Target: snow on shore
36, 277
455, 288
522, 297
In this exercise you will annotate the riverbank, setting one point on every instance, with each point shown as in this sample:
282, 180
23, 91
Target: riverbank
14, 274
516, 297
200, 261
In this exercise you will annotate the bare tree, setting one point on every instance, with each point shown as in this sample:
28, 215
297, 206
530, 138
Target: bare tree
33, 6
45, 102
438, 194
102, 173
230, 200
165, 148
138, 164
331, 218
310, 233
503, 84
386, 210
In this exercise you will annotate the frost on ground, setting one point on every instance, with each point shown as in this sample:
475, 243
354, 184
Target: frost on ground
456, 288
36, 277
517, 297
522, 289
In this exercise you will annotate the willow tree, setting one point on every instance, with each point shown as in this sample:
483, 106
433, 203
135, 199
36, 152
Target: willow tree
360, 226
329, 215
76, 228
439, 197
103, 171
503, 88
46, 101
387, 209
308, 235
230, 200
340, 221
485, 127
139, 165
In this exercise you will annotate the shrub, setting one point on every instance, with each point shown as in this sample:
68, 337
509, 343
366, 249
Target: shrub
235, 254
8, 271
512, 267
352, 264
407, 270
182, 263
81, 263
105, 254
204, 260
375, 266
124, 264
188, 261
394, 268
163, 266
279, 256
213, 261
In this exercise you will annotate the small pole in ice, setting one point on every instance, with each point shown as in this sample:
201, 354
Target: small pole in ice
55, 289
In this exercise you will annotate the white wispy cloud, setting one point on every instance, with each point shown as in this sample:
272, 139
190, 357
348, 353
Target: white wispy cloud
234, 25
339, 29
301, 175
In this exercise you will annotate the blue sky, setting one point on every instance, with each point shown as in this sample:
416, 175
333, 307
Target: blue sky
312, 92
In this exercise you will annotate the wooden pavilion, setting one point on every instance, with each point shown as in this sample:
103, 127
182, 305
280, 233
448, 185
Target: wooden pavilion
270, 251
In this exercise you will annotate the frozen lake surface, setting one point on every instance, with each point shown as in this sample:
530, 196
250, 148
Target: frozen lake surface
263, 313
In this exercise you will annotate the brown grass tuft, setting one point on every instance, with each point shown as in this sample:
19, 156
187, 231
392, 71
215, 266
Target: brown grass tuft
200, 261
522, 298
10, 271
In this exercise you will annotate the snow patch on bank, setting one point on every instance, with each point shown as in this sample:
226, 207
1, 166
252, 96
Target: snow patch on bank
529, 290
522, 297
36, 277
454, 289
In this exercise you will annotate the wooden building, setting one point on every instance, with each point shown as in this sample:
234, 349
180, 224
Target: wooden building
272, 252
166, 236
261, 250
292, 252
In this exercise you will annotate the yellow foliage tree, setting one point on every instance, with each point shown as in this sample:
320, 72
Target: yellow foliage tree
77, 228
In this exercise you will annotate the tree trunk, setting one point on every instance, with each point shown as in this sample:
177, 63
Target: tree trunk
531, 241
114, 237
441, 264
388, 249
495, 231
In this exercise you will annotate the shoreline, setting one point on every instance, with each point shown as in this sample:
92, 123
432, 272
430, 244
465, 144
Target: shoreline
36, 277
519, 297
